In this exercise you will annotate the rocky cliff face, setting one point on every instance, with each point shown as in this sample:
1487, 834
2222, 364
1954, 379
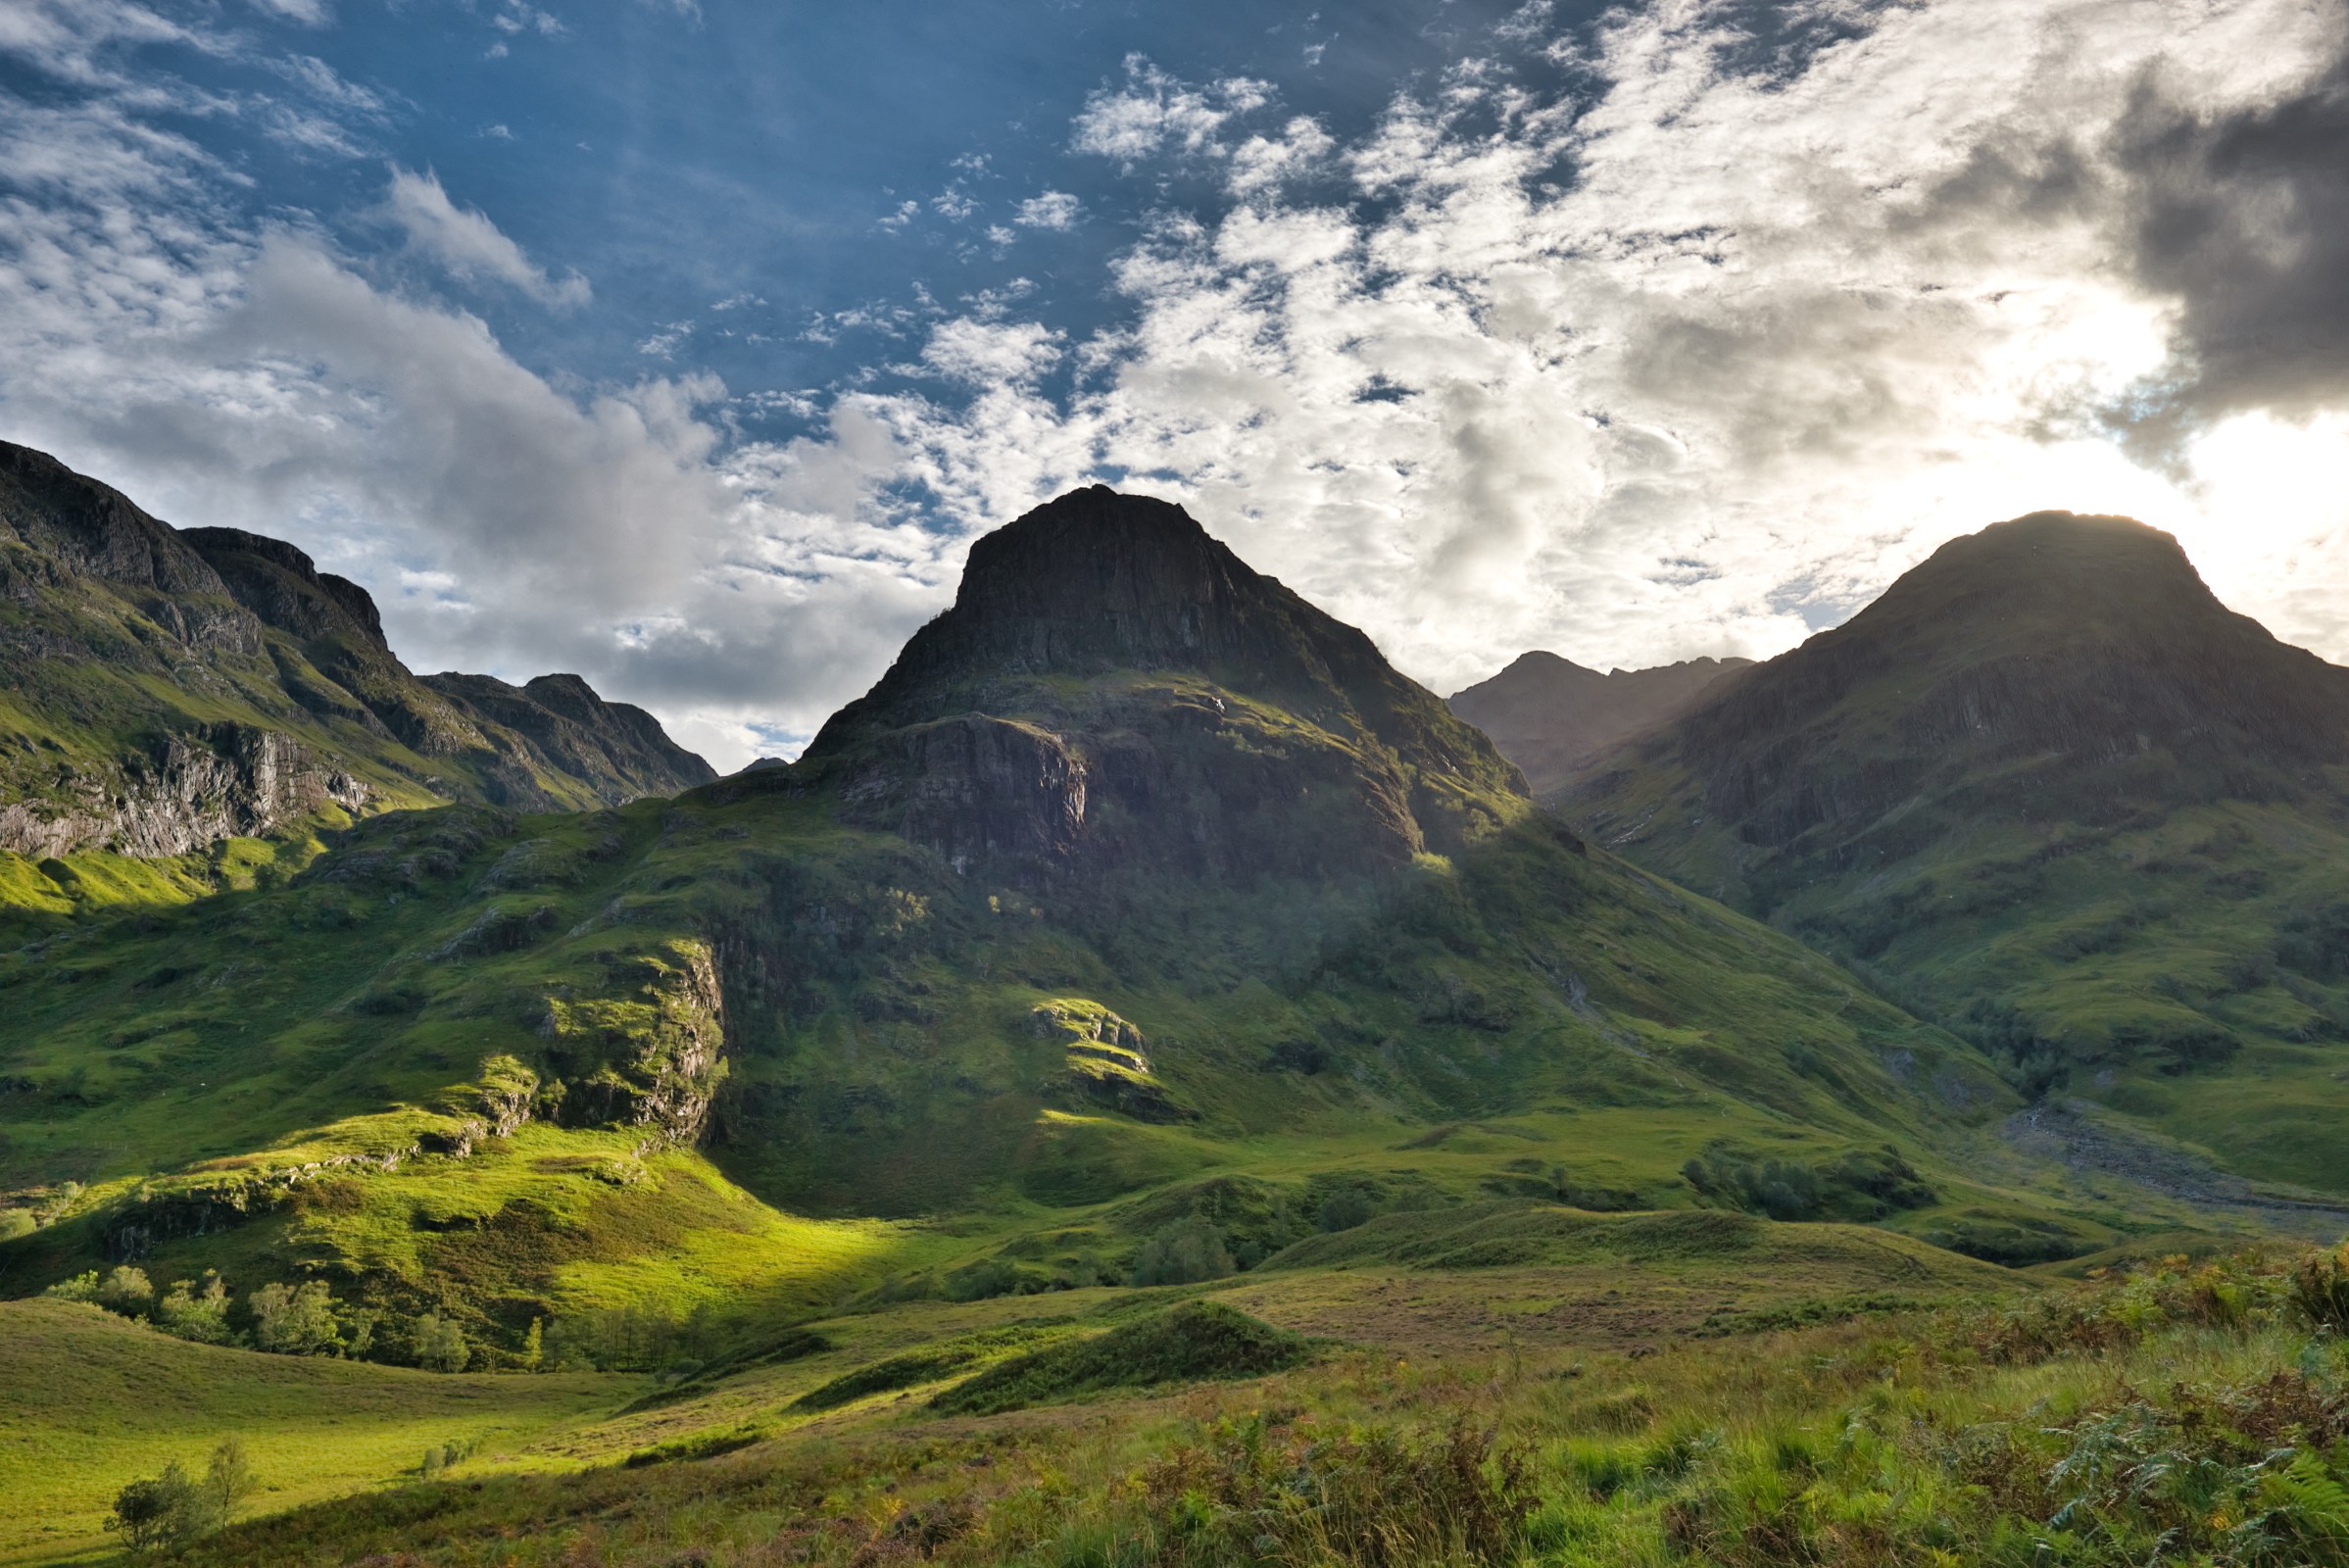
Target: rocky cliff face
1113, 687
167, 689
1550, 715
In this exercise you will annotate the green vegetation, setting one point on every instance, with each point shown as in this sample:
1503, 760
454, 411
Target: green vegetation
1191, 1343
2186, 1409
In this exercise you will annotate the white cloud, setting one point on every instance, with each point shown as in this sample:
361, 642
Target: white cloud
984, 353
1053, 209
1155, 111
467, 244
308, 13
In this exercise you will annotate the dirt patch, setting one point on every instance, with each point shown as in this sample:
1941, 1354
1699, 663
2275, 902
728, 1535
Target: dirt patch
2063, 1132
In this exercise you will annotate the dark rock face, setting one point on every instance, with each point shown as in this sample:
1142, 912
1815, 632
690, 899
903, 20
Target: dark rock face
1550, 715
93, 531
1114, 686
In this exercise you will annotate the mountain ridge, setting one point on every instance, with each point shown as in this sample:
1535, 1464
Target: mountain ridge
1549, 714
2049, 791
170, 690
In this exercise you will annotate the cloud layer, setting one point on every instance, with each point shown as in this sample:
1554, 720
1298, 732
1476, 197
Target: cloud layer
1680, 332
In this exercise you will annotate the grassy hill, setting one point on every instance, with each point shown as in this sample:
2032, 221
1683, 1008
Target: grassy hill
2049, 793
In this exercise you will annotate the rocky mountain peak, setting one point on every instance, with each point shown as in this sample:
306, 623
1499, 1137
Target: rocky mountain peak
1112, 682
93, 531
1550, 714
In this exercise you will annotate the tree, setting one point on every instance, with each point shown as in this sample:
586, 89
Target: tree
126, 1291
1183, 1253
296, 1322
228, 1480
192, 1314
164, 1512
534, 1347
439, 1345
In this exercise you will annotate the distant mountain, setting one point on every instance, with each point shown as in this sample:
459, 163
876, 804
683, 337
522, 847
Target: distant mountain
2053, 793
1138, 891
1549, 716
162, 691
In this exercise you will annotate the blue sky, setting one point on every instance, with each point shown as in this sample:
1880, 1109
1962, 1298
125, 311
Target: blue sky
687, 346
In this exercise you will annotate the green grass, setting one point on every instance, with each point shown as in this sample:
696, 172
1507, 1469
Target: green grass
92, 1402
2175, 1405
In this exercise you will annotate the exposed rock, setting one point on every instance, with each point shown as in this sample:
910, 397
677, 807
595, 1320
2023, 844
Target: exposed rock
203, 787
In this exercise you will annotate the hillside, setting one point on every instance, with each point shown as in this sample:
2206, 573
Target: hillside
2050, 792
165, 694
1549, 716
1138, 891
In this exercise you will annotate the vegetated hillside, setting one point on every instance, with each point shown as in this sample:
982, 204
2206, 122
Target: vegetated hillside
163, 693
1140, 918
1549, 716
2055, 794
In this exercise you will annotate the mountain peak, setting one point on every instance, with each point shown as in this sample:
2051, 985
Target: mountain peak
1097, 581
1550, 714
1112, 680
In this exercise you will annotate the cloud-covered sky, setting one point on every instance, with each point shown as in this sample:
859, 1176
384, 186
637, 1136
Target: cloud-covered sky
688, 345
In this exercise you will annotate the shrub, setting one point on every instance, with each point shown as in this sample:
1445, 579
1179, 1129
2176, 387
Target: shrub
81, 1288
192, 1314
15, 1222
2321, 1290
1188, 1252
161, 1513
296, 1321
228, 1480
439, 1344
126, 1291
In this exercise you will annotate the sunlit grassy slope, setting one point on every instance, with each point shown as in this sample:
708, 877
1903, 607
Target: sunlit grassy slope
91, 1401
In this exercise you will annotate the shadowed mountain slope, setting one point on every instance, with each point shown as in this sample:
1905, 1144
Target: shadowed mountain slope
2055, 794
1550, 714
1137, 894
165, 692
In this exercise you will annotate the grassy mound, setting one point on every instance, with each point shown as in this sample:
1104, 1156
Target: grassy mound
1196, 1341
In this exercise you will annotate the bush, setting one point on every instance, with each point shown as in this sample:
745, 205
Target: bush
81, 1288
1188, 1252
299, 1321
1345, 1209
188, 1313
126, 1291
163, 1513
439, 1344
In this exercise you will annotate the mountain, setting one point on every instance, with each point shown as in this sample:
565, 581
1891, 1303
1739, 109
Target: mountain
164, 691
1139, 894
1549, 716
2049, 791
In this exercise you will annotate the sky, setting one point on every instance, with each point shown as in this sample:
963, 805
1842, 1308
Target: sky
686, 346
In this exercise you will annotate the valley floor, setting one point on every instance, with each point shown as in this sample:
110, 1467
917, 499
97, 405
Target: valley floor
1510, 1386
